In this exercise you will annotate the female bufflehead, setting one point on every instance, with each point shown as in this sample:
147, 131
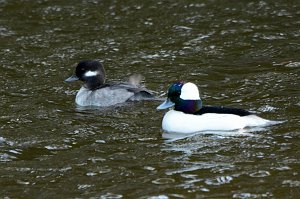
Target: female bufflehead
95, 92
189, 116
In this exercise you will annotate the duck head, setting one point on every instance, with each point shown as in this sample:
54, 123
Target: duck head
91, 72
184, 97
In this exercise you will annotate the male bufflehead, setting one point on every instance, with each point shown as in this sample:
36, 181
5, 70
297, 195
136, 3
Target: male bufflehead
189, 116
95, 92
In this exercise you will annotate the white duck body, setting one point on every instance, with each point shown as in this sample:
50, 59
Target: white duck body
179, 122
189, 116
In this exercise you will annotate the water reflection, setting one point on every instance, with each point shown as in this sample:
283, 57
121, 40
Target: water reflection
220, 158
240, 132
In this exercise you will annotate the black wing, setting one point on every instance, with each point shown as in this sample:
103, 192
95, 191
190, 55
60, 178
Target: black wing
222, 110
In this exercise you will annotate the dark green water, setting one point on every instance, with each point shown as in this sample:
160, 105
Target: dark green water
243, 54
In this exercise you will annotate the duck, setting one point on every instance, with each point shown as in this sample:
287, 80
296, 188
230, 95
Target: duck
95, 91
190, 116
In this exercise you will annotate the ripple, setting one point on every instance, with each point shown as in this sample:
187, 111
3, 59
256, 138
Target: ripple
2, 140
251, 195
149, 168
100, 141
52, 9
154, 56
267, 108
259, 174
84, 186
291, 183
103, 170
159, 197
204, 189
196, 41
219, 180
293, 65
187, 169
6, 157
19, 121
64, 169
96, 159
24, 169
272, 37
5, 32
21, 182
58, 147
182, 28
91, 174
111, 196
16, 151
282, 168
163, 181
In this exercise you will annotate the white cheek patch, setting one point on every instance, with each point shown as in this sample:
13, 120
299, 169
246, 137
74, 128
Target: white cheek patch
189, 91
91, 73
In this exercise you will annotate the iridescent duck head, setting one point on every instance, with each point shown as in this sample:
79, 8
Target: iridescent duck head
184, 97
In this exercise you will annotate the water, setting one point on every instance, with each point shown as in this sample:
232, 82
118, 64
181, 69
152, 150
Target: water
243, 54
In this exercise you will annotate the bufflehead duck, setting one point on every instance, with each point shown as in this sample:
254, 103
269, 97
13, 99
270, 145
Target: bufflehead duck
95, 92
189, 116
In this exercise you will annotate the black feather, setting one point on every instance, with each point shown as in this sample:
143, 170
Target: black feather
222, 110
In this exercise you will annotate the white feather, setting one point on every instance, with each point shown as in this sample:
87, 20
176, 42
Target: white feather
189, 91
179, 122
91, 73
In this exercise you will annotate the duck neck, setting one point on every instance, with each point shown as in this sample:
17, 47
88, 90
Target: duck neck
93, 83
188, 106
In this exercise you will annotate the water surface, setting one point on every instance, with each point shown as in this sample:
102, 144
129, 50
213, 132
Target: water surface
242, 54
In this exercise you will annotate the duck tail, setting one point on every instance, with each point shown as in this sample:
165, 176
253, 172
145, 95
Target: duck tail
254, 120
135, 79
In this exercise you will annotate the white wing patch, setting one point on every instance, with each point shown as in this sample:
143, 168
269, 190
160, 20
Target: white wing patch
91, 73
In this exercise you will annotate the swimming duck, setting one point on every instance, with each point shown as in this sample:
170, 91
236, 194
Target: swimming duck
96, 92
190, 116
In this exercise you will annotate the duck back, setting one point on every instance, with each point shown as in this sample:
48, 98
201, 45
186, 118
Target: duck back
111, 94
222, 110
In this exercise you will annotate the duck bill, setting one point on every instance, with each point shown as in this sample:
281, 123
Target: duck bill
166, 104
73, 78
